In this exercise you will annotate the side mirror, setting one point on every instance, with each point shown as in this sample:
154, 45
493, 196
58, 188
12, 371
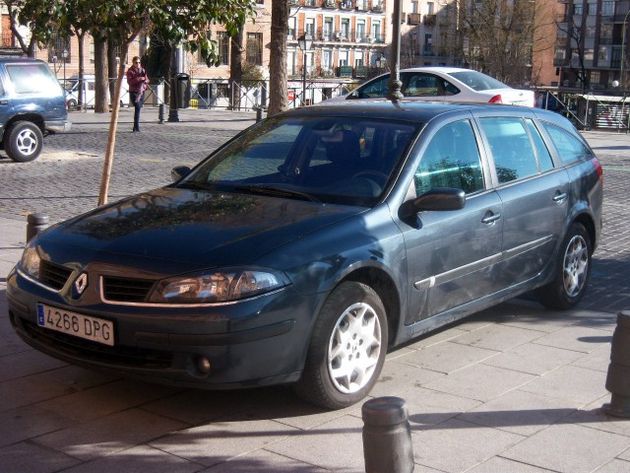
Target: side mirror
437, 199
179, 172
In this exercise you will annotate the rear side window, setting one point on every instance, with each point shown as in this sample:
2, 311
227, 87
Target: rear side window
378, 88
514, 156
33, 79
427, 85
569, 147
451, 160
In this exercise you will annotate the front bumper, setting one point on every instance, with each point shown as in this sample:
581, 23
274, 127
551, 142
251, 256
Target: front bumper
257, 342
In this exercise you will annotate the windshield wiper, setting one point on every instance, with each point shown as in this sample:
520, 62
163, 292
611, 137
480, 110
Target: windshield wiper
196, 185
278, 191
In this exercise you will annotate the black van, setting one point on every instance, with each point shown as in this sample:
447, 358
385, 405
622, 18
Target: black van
31, 105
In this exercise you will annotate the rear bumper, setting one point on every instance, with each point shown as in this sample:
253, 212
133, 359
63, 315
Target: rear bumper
57, 126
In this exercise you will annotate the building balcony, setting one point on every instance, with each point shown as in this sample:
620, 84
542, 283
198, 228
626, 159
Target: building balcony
377, 8
329, 4
414, 18
429, 20
344, 71
346, 5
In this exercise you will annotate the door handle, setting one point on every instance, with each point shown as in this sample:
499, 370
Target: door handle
560, 197
490, 218
4, 102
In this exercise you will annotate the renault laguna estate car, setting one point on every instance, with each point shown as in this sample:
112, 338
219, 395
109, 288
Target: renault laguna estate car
307, 246
445, 84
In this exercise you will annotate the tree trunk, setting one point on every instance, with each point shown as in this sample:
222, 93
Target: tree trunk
100, 75
81, 37
236, 69
112, 44
278, 100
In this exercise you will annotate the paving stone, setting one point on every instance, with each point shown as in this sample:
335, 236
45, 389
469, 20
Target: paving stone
447, 357
498, 337
398, 377
597, 360
217, 442
264, 462
595, 417
615, 466
480, 382
569, 448
105, 399
455, 446
17, 365
110, 434
435, 338
571, 383
520, 412
503, 465
427, 407
25, 457
581, 339
533, 359
141, 459
336, 445
27, 422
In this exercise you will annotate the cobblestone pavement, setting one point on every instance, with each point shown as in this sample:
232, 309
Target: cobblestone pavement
64, 181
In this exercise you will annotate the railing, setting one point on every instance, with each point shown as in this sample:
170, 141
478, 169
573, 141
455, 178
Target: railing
414, 18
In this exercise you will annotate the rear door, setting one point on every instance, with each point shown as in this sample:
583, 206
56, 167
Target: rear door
451, 254
534, 193
6, 108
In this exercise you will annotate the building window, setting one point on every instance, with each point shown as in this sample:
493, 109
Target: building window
58, 44
430, 8
376, 30
326, 60
292, 22
223, 48
608, 8
345, 27
254, 48
360, 30
595, 77
328, 28
309, 27
578, 9
560, 54
291, 62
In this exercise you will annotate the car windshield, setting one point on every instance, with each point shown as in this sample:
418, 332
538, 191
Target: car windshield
346, 160
478, 81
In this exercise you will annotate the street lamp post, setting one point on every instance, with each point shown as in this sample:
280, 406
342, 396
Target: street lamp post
305, 42
623, 46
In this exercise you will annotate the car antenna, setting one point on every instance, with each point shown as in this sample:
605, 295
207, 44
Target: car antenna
395, 85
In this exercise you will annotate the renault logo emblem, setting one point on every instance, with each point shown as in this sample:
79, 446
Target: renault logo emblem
81, 283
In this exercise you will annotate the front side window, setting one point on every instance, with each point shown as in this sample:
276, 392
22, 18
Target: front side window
451, 160
330, 159
512, 151
569, 147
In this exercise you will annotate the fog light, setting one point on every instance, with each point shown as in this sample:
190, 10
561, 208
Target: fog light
203, 364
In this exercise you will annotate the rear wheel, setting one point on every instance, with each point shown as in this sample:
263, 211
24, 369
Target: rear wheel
572, 273
347, 349
23, 141
72, 104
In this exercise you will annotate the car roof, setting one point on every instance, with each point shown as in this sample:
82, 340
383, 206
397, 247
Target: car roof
443, 69
18, 59
418, 111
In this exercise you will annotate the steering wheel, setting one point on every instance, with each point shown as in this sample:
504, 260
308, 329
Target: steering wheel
378, 177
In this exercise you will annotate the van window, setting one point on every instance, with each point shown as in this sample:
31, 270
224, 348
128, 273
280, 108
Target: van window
33, 79
569, 147
451, 160
514, 156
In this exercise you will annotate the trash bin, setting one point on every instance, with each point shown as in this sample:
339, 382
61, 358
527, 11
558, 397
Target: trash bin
183, 90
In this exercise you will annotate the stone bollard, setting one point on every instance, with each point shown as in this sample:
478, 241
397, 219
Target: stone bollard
259, 114
35, 224
618, 378
386, 436
161, 113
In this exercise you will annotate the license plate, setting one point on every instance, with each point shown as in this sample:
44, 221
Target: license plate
79, 325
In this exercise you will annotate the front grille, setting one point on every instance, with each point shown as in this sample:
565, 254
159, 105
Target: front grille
126, 289
93, 351
53, 275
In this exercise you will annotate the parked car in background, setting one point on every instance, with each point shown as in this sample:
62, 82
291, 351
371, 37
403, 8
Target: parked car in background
73, 86
445, 84
308, 245
31, 105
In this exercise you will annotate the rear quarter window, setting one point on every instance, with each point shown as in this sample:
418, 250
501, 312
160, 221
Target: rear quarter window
569, 147
33, 79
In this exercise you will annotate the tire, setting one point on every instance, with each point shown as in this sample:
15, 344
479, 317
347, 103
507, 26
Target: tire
23, 141
347, 348
71, 104
573, 270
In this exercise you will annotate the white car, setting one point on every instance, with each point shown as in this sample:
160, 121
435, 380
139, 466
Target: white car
445, 84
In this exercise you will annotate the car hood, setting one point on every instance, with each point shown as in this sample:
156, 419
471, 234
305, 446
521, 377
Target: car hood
195, 229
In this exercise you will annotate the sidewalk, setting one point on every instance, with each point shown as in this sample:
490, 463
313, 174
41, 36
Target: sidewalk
514, 389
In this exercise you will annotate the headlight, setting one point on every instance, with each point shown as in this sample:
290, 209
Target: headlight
221, 286
31, 261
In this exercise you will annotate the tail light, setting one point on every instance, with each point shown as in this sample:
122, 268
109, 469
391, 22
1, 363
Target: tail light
496, 99
598, 169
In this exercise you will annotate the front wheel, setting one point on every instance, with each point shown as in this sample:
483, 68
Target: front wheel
23, 141
347, 348
572, 273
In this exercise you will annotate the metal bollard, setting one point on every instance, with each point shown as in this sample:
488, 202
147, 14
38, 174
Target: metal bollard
35, 224
618, 377
161, 113
258, 114
386, 436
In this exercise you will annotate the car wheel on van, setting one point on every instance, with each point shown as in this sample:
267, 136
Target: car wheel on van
573, 270
347, 348
23, 141
71, 104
